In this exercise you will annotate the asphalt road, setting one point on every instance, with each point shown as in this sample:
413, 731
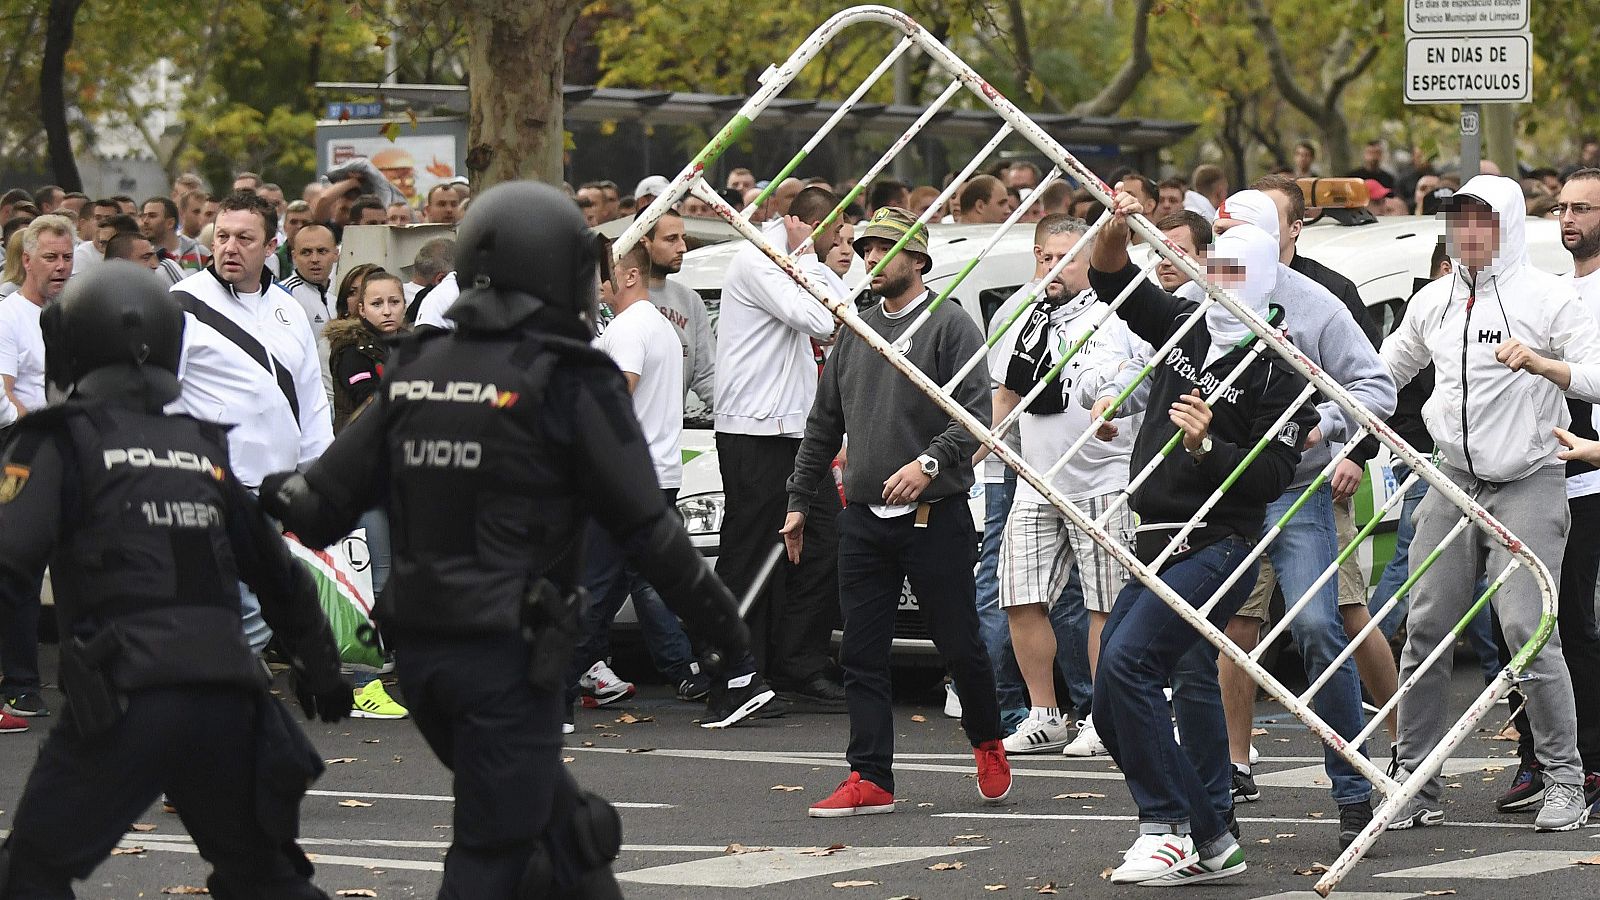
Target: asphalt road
689, 795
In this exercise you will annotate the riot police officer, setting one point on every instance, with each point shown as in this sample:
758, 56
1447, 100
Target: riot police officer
491, 446
148, 534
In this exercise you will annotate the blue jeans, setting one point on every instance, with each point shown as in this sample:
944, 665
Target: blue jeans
1307, 546
1480, 634
992, 624
1141, 649
1399, 568
610, 583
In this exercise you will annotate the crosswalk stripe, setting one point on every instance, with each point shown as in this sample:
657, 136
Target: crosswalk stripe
780, 864
1498, 866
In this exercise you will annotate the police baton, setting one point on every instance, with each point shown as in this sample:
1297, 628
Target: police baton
761, 580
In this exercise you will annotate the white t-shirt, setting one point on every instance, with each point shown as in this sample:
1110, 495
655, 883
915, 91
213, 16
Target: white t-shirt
1589, 296
992, 470
22, 349
640, 340
1099, 467
438, 302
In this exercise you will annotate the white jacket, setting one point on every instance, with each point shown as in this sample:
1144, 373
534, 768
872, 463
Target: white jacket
766, 371
249, 388
1489, 421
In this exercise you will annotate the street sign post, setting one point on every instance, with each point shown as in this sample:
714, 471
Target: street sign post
1469, 52
1465, 16
1495, 68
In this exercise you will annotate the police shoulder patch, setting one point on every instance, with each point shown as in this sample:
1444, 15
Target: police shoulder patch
13, 478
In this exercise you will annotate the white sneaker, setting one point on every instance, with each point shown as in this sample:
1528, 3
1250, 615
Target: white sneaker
952, 703
602, 687
1087, 743
1155, 855
1255, 755
568, 728
1037, 736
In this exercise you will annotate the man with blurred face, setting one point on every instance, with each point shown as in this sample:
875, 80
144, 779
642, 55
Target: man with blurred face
399, 214
682, 307
273, 194
1501, 368
443, 206
592, 200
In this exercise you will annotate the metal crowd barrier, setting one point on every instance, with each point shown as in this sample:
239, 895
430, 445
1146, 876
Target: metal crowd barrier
1270, 339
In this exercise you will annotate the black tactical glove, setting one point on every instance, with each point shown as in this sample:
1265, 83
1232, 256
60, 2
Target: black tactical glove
326, 696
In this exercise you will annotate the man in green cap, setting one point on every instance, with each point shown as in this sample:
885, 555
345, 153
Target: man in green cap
907, 517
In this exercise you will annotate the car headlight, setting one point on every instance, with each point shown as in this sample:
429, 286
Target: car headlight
702, 513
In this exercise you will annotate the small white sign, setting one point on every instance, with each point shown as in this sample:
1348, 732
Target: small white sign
1481, 69
1465, 16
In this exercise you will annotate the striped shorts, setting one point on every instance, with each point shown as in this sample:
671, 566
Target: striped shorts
1040, 547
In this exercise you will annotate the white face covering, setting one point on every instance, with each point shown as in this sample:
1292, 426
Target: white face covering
1257, 253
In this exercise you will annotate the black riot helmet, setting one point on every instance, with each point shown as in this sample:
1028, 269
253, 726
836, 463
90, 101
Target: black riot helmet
119, 332
523, 251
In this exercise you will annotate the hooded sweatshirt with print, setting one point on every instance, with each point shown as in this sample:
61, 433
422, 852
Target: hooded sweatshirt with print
1491, 422
1323, 328
1240, 416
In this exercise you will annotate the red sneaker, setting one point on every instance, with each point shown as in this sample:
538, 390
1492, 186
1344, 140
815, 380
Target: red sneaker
994, 773
10, 724
854, 797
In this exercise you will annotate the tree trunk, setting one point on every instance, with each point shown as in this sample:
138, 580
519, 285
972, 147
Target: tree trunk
515, 62
1126, 81
1327, 110
53, 94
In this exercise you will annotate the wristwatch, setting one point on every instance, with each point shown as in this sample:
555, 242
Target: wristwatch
1200, 452
930, 466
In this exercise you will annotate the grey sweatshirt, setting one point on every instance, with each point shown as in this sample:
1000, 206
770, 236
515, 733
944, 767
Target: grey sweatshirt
687, 313
890, 422
1321, 326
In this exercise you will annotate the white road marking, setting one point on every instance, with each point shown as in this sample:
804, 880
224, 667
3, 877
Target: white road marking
780, 864
1343, 895
446, 798
1499, 866
364, 862
135, 838
1307, 776
1278, 820
815, 761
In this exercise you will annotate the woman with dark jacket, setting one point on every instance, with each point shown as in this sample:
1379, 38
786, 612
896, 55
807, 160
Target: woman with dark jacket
357, 345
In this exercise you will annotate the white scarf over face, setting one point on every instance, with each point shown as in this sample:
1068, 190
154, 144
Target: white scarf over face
1257, 252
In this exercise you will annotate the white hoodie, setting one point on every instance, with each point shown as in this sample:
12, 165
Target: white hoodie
766, 371
1489, 421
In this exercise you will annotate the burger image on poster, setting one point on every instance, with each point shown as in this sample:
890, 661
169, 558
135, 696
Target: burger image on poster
400, 169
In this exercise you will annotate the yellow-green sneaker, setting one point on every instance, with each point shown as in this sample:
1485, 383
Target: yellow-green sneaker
373, 702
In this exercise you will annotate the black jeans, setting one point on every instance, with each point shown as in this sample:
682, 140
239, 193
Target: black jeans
791, 623
472, 701
19, 641
876, 556
1580, 637
197, 744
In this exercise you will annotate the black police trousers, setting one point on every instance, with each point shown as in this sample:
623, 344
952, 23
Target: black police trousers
199, 745
471, 699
